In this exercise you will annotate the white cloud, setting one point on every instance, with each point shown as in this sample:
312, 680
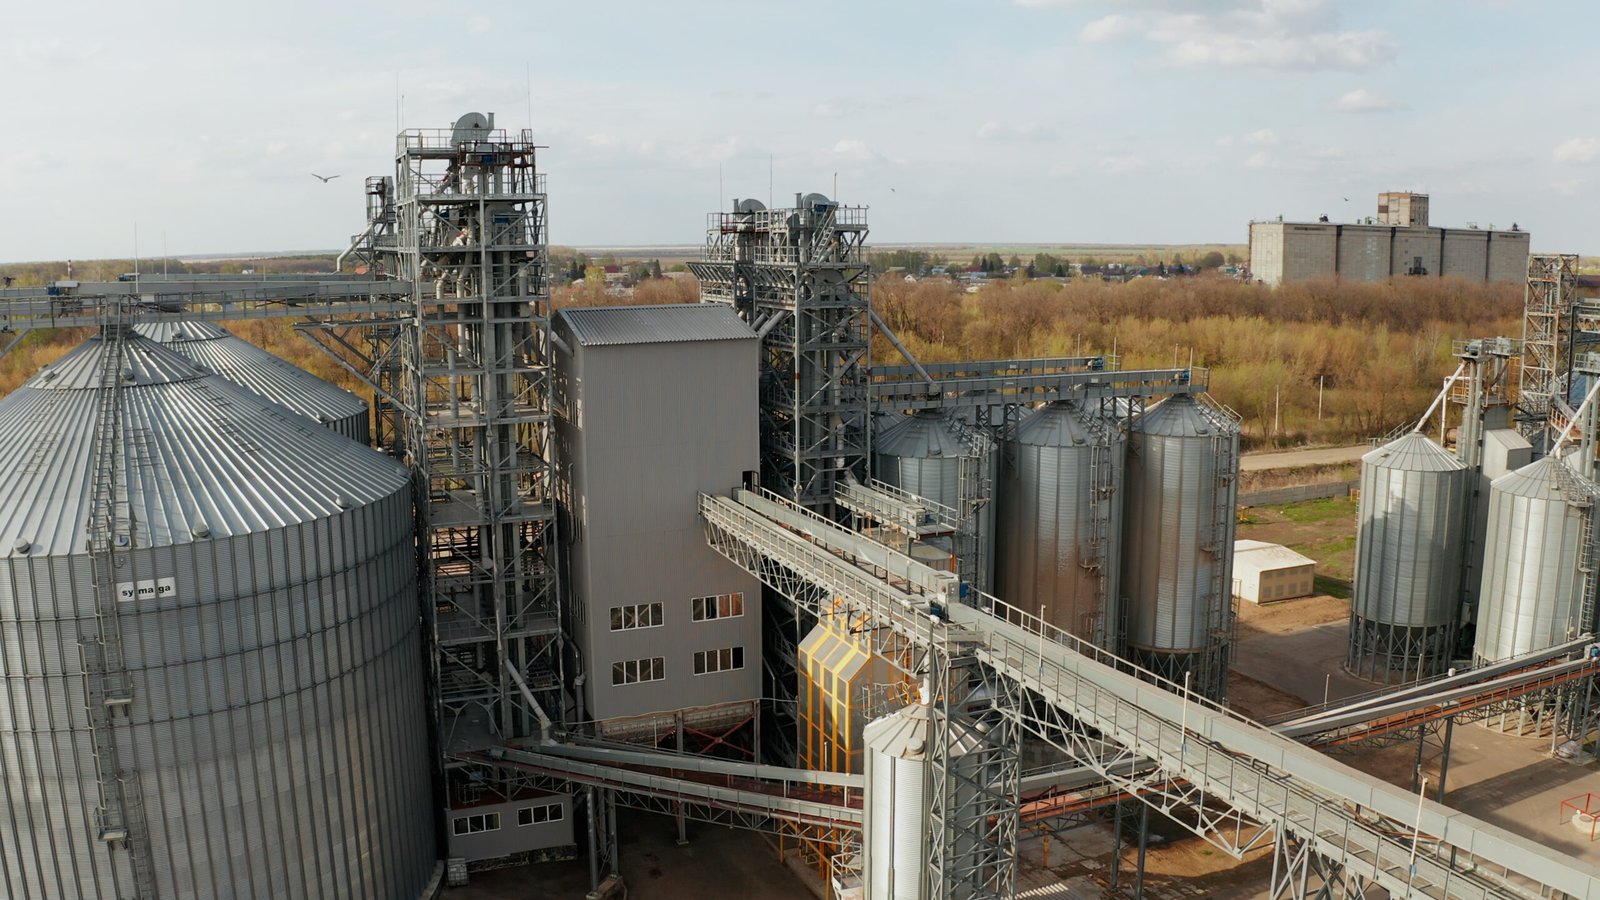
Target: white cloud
1362, 100
1002, 131
1579, 151
1109, 28
1349, 50
1122, 163
1263, 136
829, 111
1272, 34
851, 150
478, 24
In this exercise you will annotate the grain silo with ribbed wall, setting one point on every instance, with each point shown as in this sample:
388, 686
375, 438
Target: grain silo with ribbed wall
210, 669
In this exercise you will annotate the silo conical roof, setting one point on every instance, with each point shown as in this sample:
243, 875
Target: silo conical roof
1182, 415
1546, 478
906, 734
236, 359
1061, 423
200, 455
1413, 452
922, 434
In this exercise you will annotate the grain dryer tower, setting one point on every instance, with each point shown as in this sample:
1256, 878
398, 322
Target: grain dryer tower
218, 350
209, 679
1178, 523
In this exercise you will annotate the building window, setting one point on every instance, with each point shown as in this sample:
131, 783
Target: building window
725, 660
633, 671
719, 606
478, 824
538, 815
638, 615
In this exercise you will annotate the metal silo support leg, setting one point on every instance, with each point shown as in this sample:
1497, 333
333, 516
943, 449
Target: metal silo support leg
1144, 841
1116, 847
1444, 759
612, 850
594, 840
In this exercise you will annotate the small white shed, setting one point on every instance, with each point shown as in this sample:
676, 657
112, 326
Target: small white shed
1267, 573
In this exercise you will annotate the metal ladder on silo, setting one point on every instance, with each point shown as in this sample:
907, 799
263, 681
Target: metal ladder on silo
976, 491
108, 691
1101, 473
1220, 608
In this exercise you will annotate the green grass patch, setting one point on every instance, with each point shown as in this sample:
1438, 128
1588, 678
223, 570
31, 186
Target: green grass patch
1333, 587
1309, 511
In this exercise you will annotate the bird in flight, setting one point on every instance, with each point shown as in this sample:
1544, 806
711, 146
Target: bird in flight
325, 178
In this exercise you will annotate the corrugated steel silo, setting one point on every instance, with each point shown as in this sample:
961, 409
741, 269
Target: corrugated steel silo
1060, 520
941, 459
266, 720
218, 350
899, 795
1182, 483
1410, 531
1539, 544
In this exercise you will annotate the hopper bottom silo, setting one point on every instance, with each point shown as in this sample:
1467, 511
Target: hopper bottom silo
1203, 670
900, 784
1410, 532
1396, 654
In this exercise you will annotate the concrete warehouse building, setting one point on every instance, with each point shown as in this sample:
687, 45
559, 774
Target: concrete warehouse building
1397, 241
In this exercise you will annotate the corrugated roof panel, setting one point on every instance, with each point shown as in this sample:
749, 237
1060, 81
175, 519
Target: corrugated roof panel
1259, 556
197, 451
1413, 452
278, 380
601, 326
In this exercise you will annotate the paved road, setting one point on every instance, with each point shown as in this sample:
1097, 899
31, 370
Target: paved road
1293, 459
1301, 663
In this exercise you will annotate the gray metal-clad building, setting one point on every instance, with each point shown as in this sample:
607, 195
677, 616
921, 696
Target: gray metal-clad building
218, 350
1540, 543
654, 405
1060, 538
1410, 534
933, 456
1177, 555
267, 718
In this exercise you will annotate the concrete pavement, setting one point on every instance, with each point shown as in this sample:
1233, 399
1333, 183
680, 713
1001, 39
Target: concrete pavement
1294, 459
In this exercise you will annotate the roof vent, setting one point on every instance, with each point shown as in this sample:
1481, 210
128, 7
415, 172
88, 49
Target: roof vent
21, 547
343, 501
200, 530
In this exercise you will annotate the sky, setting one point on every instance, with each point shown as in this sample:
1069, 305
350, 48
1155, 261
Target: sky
190, 128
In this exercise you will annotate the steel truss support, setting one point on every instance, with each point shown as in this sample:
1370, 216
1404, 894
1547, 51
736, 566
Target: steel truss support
973, 818
801, 276
470, 224
1546, 340
1300, 873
